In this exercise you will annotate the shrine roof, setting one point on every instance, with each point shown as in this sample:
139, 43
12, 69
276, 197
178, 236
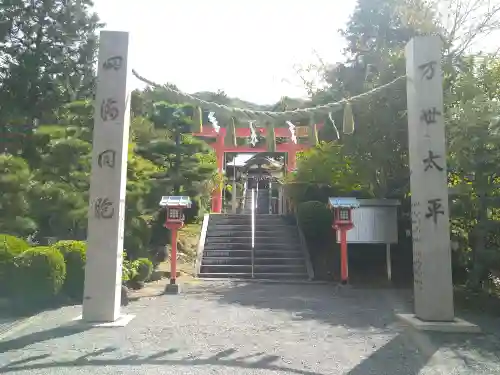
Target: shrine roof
263, 159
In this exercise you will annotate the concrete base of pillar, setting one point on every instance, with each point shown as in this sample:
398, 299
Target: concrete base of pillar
456, 326
122, 321
172, 289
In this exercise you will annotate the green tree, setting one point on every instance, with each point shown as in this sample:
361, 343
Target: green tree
59, 191
473, 130
15, 179
322, 172
178, 154
48, 53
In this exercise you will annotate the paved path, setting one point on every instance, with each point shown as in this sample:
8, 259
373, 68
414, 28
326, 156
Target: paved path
251, 328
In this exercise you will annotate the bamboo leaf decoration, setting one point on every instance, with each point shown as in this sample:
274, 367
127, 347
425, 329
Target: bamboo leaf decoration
313, 131
197, 120
348, 125
230, 138
271, 138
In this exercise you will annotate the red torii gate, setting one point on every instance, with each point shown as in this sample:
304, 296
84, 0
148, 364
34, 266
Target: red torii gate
220, 148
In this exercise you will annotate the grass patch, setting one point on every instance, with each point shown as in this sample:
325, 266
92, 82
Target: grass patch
187, 243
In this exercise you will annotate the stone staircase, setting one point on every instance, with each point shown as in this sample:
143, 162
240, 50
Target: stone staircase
262, 202
228, 248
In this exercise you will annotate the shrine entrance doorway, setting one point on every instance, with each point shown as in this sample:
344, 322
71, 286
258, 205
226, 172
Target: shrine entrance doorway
264, 174
289, 148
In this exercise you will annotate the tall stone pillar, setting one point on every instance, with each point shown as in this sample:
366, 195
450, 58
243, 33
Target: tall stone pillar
103, 271
429, 187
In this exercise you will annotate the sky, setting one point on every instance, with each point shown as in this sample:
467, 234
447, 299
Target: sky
248, 48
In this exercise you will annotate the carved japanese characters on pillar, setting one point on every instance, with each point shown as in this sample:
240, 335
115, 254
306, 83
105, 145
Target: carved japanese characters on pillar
429, 191
114, 63
428, 70
103, 208
107, 158
108, 181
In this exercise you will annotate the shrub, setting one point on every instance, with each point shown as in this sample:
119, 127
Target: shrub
10, 247
315, 219
144, 269
40, 275
129, 269
74, 253
158, 255
192, 213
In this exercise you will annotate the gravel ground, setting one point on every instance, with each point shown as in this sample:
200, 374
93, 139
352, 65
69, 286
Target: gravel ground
252, 328
6, 324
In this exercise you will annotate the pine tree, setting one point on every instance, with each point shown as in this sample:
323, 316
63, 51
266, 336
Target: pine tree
177, 154
48, 50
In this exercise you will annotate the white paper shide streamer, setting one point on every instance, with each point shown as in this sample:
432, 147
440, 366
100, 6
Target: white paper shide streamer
293, 135
213, 121
253, 133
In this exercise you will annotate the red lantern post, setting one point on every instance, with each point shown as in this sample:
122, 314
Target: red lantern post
342, 222
175, 206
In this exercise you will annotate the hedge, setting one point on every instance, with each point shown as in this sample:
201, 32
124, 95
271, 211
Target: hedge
315, 219
75, 255
40, 275
10, 247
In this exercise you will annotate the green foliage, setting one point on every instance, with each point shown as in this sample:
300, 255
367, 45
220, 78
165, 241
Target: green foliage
13, 244
129, 269
15, 179
10, 248
315, 220
184, 164
40, 275
473, 155
144, 268
194, 212
376, 156
74, 253
322, 172
59, 192
52, 63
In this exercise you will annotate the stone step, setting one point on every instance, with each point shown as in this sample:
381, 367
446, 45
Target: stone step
235, 219
248, 227
248, 233
288, 241
237, 253
247, 246
225, 275
260, 268
246, 220
269, 217
227, 261
258, 253
261, 195
248, 261
258, 276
